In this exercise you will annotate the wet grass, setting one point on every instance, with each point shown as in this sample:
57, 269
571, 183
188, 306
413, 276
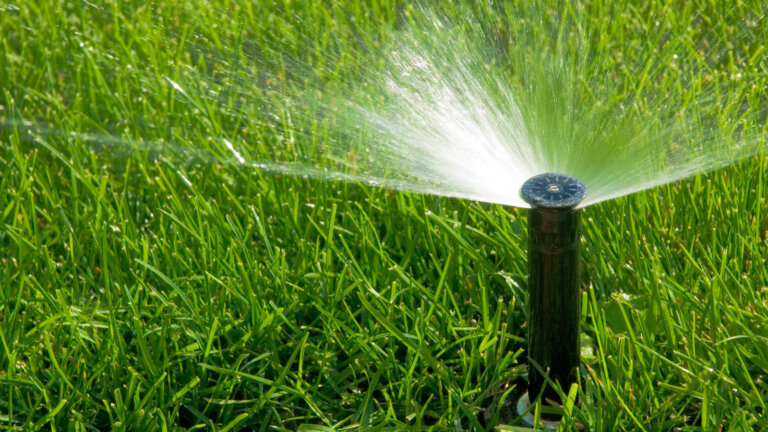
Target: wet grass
147, 283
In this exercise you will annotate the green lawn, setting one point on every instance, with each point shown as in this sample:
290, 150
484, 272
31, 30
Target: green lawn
150, 282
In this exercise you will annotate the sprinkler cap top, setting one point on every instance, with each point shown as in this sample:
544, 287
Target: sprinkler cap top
551, 190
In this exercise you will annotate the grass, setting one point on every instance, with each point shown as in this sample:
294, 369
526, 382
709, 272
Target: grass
145, 291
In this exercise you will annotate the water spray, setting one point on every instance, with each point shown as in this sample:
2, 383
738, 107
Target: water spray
553, 283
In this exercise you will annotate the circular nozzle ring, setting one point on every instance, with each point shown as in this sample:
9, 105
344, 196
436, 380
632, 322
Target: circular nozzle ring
551, 190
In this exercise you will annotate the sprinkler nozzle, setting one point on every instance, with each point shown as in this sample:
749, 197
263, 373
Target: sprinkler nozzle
553, 191
553, 282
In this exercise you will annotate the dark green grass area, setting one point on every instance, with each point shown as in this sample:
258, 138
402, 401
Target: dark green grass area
148, 283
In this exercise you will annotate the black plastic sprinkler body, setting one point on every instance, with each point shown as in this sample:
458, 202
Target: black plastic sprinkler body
553, 281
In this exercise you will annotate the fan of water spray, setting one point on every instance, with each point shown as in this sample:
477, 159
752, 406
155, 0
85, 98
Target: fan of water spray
472, 105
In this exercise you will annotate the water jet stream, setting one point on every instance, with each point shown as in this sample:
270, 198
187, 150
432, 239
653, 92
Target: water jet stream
462, 107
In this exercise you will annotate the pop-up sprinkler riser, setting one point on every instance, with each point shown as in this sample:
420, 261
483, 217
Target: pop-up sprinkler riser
553, 282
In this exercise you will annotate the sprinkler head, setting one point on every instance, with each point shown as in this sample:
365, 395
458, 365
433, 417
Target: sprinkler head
550, 190
554, 299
